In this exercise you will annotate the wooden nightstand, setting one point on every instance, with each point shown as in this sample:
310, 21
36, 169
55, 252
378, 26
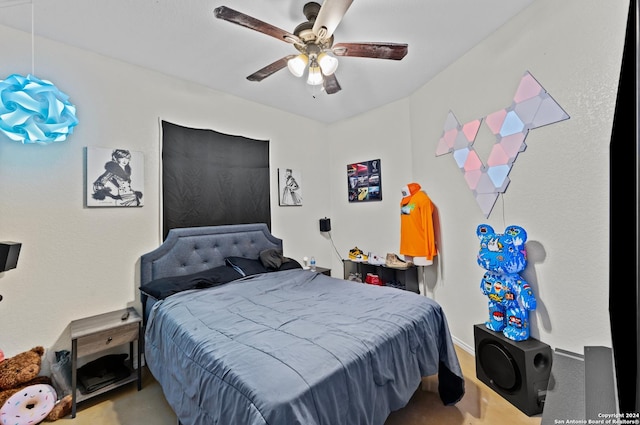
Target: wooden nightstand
323, 270
99, 333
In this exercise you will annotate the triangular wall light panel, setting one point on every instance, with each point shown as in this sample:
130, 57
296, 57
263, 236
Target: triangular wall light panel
532, 107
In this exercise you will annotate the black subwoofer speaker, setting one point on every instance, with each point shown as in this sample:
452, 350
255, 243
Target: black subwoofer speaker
325, 224
9, 252
517, 370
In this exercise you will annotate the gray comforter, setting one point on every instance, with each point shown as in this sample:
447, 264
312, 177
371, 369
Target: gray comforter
297, 347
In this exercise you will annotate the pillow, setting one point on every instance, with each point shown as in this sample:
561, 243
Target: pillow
163, 287
246, 266
271, 259
289, 264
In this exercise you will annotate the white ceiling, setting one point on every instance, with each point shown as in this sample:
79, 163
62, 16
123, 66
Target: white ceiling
182, 38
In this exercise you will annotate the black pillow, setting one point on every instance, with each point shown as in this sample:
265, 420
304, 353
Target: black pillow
162, 288
246, 266
289, 264
271, 259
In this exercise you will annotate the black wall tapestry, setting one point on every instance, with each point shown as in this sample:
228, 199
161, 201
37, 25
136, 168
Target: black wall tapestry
211, 178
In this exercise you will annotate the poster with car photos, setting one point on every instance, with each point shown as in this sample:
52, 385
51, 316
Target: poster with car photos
364, 180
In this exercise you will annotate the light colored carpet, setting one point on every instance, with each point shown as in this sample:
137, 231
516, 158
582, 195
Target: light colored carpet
479, 406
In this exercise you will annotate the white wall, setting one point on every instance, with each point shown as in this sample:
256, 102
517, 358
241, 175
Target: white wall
559, 188
559, 184
371, 226
77, 261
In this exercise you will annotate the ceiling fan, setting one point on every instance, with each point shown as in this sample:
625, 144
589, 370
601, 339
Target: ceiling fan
314, 40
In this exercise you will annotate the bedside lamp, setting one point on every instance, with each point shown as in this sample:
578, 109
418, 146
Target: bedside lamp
325, 224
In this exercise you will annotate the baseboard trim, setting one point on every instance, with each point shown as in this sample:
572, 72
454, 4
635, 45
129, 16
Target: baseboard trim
469, 349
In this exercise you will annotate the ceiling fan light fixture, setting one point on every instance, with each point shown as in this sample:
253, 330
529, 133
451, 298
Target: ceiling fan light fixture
315, 75
328, 64
298, 65
313, 39
322, 33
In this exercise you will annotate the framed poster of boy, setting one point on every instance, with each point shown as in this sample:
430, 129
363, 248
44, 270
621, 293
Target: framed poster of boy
115, 177
364, 181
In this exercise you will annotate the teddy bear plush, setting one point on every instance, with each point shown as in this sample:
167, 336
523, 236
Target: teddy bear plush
26, 397
503, 256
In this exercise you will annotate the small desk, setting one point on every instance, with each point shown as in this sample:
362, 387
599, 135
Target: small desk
408, 276
98, 333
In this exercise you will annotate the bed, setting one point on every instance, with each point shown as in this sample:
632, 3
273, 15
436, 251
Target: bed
283, 345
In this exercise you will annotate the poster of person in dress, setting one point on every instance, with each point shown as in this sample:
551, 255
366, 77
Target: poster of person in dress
115, 177
289, 182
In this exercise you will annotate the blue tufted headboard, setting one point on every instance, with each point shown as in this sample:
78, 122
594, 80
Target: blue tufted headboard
194, 249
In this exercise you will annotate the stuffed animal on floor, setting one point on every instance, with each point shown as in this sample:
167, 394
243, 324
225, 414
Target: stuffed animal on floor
504, 256
25, 396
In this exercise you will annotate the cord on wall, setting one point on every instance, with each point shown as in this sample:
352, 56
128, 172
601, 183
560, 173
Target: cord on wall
334, 247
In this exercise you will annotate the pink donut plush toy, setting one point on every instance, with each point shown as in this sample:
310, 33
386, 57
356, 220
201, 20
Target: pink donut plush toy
26, 397
29, 406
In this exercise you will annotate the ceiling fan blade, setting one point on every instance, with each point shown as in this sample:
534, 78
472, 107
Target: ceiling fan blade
395, 51
270, 69
247, 21
331, 84
330, 14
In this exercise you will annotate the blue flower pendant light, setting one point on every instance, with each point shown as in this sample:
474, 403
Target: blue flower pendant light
34, 110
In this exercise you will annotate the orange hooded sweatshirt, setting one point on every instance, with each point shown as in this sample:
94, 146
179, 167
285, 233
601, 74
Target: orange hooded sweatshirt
417, 237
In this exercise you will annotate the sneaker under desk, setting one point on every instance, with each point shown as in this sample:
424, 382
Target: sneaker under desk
407, 277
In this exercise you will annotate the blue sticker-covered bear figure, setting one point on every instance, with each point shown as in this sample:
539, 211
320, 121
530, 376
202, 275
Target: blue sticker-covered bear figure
510, 297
